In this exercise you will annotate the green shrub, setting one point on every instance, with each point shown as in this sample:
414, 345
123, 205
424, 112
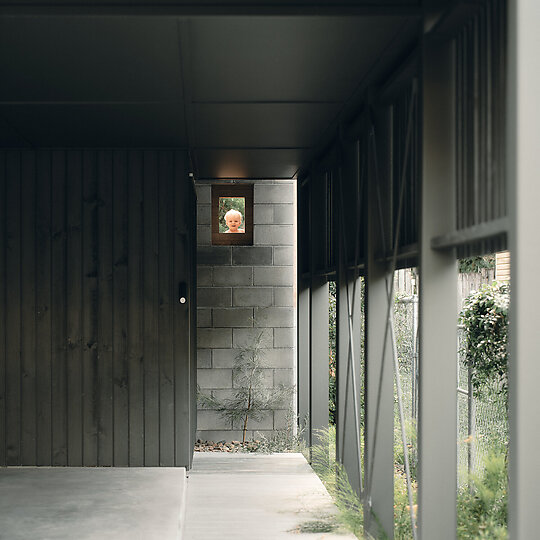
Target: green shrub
251, 399
482, 505
485, 319
335, 479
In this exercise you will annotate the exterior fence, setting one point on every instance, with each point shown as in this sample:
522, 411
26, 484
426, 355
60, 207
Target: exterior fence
482, 421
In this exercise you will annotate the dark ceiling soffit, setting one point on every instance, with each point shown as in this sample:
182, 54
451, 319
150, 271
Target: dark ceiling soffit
179, 8
352, 117
445, 24
186, 72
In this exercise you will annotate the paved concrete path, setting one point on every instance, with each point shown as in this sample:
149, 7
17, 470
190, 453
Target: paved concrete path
40, 503
255, 497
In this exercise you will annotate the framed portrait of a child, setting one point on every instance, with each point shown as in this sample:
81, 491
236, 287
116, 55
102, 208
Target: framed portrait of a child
232, 214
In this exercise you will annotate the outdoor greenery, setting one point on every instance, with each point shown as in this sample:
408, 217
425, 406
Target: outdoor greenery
476, 264
332, 313
482, 504
335, 479
482, 499
250, 399
485, 320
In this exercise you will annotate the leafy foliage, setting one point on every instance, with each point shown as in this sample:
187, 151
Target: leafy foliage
476, 264
335, 479
482, 505
332, 353
282, 440
485, 318
250, 398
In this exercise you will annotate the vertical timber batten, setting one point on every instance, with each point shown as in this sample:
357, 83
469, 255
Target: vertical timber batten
437, 447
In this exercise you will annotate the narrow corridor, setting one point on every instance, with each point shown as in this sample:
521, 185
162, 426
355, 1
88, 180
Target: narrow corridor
256, 497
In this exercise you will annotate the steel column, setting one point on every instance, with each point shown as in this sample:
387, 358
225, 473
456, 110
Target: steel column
303, 344
523, 159
379, 384
319, 306
437, 445
346, 432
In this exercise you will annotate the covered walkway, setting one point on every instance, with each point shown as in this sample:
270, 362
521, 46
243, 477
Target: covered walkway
254, 496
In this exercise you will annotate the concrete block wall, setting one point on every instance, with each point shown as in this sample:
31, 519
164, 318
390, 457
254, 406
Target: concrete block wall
241, 292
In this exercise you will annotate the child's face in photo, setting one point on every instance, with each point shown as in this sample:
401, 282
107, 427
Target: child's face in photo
233, 222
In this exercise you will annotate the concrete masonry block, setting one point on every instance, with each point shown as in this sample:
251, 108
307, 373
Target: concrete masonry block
204, 358
273, 235
247, 336
204, 318
284, 296
200, 404
204, 276
279, 358
204, 194
214, 296
219, 435
203, 214
224, 394
214, 378
284, 255
282, 419
267, 379
284, 337
263, 214
252, 255
214, 255
276, 193
284, 376
233, 276
273, 317
277, 276
203, 235
284, 214
224, 358
234, 317
267, 422
210, 338
207, 420
252, 296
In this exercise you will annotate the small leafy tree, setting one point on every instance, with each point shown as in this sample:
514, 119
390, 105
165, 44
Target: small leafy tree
251, 399
485, 318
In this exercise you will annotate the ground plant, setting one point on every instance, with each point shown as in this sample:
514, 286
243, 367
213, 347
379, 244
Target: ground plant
335, 479
251, 399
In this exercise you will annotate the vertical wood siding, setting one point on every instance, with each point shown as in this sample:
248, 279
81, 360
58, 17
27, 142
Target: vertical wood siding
96, 353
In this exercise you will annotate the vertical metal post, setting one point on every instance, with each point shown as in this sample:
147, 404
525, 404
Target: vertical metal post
470, 423
319, 306
379, 397
346, 432
303, 344
523, 161
437, 429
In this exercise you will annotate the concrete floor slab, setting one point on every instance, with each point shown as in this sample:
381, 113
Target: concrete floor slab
255, 497
91, 503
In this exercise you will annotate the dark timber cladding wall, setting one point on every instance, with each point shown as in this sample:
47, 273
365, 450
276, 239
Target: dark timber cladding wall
96, 353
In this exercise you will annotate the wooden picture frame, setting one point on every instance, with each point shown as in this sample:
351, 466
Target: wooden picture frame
237, 197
